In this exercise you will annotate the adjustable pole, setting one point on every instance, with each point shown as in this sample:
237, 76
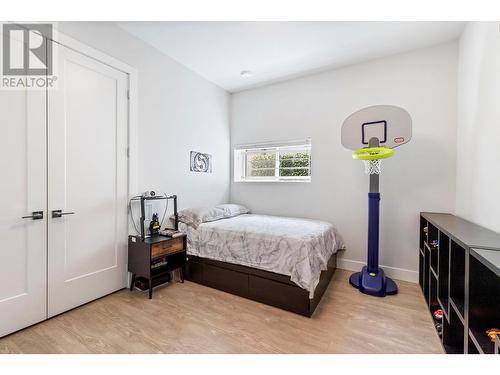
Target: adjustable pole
373, 217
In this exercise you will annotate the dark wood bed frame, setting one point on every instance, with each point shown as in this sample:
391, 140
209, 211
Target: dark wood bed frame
258, 285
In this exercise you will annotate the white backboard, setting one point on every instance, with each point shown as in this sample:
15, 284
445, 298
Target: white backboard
390, 124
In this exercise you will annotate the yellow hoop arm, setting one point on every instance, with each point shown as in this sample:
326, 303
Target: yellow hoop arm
373, 153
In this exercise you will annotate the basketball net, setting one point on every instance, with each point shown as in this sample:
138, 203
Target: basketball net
372, 166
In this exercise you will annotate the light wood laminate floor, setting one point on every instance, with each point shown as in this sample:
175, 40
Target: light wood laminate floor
190, 318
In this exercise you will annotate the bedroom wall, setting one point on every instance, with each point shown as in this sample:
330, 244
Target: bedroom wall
178, 111
478, 173
420, 177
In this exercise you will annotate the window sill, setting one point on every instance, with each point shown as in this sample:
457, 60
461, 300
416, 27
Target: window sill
271, 181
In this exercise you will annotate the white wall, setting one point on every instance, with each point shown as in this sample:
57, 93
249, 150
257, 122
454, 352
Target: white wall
420, 176
178, 111
478, 151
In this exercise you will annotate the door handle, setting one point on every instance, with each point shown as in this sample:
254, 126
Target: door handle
35, 215
59, 213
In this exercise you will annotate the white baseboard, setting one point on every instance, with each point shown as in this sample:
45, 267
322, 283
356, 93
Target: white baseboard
392, 272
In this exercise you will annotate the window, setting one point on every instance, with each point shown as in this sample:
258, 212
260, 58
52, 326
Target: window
283, 161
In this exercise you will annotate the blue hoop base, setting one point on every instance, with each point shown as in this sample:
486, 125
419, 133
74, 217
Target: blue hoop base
374, 284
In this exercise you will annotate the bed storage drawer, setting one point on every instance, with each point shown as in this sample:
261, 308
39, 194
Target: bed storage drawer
224, 279
262, 286
285, 296
167, 247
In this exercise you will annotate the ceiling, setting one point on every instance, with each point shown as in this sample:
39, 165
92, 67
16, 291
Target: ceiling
275, 51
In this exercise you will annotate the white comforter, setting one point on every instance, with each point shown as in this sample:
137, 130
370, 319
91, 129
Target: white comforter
299, 248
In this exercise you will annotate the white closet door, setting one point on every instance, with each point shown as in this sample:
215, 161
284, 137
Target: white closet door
23, 242
87, 137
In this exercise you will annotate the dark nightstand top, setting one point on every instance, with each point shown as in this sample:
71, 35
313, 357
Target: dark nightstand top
157, 238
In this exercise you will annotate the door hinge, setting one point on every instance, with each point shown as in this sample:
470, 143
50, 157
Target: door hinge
128, 94
128, 152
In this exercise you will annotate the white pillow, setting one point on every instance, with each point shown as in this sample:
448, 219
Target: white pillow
231, 210
196, 216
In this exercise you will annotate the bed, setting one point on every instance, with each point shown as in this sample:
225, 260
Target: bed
281, 261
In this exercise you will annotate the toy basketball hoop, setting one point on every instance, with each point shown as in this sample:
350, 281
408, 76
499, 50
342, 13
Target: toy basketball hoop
372, 157
372, 133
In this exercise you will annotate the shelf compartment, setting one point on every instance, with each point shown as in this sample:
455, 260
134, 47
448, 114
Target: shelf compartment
157, 281
445, 312
453, 334
434, 250
457, 275
454, 307
443, 271
432, 243
175, 261
421, 263
426, 274
433, 301
484, 303
433, 288
471, 347
423, 232
434, 259
432, 235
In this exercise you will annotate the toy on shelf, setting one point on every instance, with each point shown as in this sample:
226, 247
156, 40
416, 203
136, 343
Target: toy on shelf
426, 229
434, 243
439, 329
493, 333
438, 314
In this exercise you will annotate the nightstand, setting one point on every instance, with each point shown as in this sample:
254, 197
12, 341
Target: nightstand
154, 257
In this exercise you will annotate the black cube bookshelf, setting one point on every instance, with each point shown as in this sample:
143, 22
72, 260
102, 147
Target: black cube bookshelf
459, 273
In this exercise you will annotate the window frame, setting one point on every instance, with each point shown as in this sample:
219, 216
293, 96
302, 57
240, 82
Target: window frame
241, 161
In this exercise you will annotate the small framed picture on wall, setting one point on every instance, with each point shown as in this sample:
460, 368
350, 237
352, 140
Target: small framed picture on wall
200, 162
